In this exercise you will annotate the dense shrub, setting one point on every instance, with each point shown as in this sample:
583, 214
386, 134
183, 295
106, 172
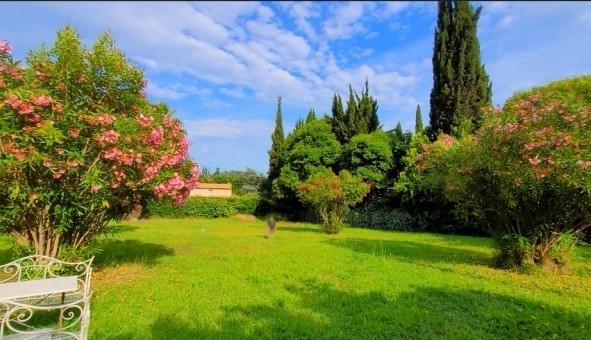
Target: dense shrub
206, 207
80, 144
332, 196
379, 217
526, 172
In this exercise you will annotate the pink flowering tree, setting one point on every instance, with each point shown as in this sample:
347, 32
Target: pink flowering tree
526, 172
80, 144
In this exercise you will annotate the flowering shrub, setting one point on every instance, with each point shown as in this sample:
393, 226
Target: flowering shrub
526, 171
79, 143
332, 196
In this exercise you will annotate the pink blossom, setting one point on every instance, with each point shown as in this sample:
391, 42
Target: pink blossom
33, 196
112, 153
5, 47
41, 75
57, 107
447, 140
13, 101
156, 136
532, 145
534, 161
583, 164
59, 151
569, 118
47, 164
550, 160
2, 84
74, 132
142, 94
144, 82
42, 100
110, 136
25, 108
34, 119
72, 163
166, 120
511, 127
105, 119
57, 174
95, 187
145, 120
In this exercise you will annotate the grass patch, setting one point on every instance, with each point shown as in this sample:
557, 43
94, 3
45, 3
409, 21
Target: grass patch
199, 278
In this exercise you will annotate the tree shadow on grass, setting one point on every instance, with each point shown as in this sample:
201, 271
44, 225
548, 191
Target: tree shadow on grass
316, 230
118, 228
414, 251
420, 313
113, 252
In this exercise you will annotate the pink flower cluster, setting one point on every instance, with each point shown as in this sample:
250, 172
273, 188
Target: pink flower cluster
123, 157
58, 173
5, 47
109, 136
156, 136
145, 120
41, 100
15, 151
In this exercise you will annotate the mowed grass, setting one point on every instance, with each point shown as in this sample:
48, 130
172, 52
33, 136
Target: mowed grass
197, 278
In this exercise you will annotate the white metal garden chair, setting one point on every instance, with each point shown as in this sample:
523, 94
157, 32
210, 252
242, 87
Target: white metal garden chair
37, 286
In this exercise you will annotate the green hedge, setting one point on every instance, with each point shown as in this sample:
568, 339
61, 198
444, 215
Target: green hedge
383, 218
207, 207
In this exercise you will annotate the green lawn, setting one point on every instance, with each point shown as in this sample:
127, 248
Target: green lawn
192, 279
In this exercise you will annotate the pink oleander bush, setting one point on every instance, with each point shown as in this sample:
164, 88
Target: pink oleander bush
526, 172
80, 144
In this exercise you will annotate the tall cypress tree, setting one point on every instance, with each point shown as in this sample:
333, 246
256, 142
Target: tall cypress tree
461, 87
367, 111
352, 117
360, 116
418, 120
277, 139
311, 116
339, 127
398, 131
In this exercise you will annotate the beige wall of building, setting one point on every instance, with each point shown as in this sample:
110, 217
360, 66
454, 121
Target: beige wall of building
212, 190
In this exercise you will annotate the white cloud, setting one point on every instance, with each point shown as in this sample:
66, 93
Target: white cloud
228, 128
345, 21
235, 93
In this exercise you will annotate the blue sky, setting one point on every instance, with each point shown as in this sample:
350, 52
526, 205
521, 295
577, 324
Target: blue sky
221, 66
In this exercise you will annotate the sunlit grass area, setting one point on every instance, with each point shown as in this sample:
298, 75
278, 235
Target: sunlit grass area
222, 278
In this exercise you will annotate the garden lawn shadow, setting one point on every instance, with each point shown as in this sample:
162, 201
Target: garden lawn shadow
281, 228
414, 251
115, 252
420, 313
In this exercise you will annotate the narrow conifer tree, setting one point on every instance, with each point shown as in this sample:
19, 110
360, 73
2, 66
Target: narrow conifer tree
418, 120
461, 87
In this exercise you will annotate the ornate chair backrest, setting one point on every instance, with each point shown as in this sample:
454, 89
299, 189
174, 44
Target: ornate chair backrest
37, 267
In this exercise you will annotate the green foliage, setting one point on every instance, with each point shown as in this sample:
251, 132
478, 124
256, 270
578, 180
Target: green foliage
418, 120
526, 171
243, 182
369, 157
381, 217
332, 196
205, 207
311, 116
360, 117
277, 139
310, 149
461, 87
